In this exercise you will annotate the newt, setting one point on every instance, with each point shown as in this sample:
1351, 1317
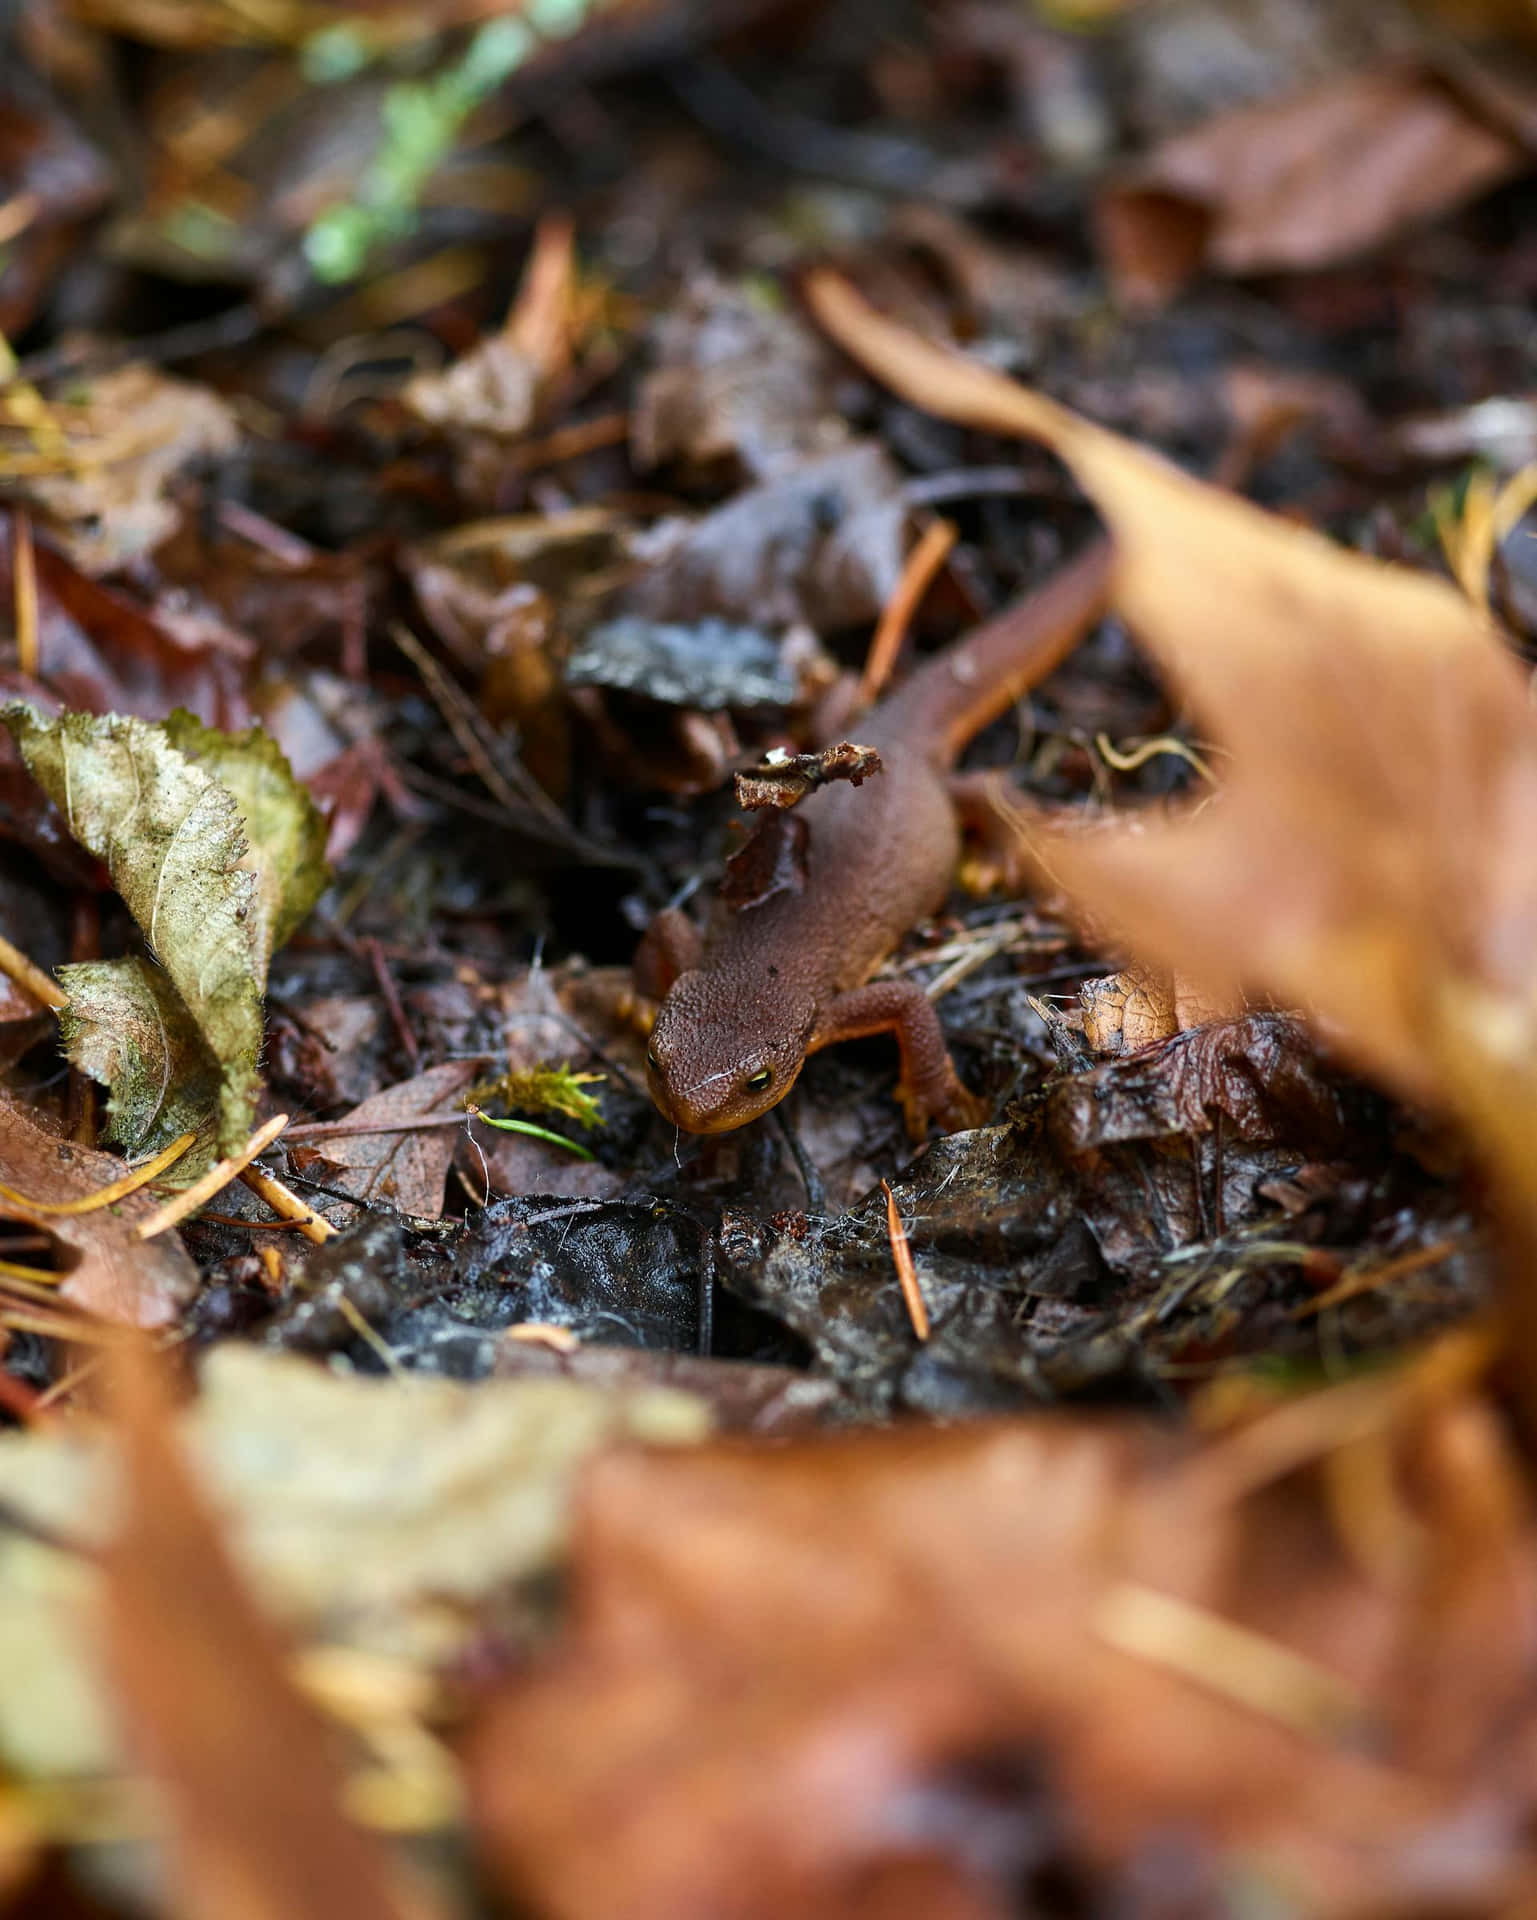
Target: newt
825, 892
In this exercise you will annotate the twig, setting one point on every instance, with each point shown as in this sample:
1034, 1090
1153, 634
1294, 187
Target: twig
341, 1129
918, 574
390, 994
131, 1181
370, 1337
566, 443
907, 1273
217, 1177
1368, 1279
14, 962
266, 1186
24, 586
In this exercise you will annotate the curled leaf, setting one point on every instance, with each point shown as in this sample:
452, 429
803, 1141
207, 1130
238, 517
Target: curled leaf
127, 1028
217, 852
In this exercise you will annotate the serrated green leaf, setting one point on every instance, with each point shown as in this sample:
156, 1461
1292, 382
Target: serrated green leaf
287, 836
217, 852
171, 838
126, 1026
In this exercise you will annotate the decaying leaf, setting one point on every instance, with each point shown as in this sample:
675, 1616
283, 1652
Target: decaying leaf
799, 1684
136, 429
1301, 182
355, 1507
1370, 858
144, 1283
128, 1028
822, 543
286, 835
400, 1166
218, 853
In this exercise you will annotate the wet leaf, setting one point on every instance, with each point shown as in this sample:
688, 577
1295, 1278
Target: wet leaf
127, 1027
400, 1167
209, 887
1301, 182
109, 1270
130, 435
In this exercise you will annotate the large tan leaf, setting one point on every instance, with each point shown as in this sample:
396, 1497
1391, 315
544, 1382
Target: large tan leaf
1371, 857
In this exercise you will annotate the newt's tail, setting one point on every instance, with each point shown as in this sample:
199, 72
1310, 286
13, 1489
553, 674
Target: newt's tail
958, 692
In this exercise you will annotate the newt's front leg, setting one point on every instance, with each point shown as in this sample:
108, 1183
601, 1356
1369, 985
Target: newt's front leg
930, 1088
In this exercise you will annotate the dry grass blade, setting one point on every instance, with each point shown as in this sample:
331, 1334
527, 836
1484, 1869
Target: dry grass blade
27, 974
114, 1189
214, 1181
907, 1272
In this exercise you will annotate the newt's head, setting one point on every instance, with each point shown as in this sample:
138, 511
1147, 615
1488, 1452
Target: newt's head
718, 1058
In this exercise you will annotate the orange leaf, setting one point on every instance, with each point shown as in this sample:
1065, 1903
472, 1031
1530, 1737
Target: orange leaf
1371, 856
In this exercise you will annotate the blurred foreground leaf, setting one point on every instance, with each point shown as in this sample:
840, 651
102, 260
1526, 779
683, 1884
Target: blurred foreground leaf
1370, 858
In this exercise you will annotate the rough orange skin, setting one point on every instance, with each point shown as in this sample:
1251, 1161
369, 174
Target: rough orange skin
773, 982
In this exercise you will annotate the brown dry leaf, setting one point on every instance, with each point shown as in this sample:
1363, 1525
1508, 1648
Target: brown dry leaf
250, 1782
143, 1283
781, 1661
1127, 1010
135, 431
404, 1169
1370, 856
1304, 181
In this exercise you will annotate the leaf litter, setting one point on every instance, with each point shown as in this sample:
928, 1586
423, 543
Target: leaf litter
1125, 1503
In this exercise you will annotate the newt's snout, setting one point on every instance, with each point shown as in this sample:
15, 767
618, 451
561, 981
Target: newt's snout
713, 1065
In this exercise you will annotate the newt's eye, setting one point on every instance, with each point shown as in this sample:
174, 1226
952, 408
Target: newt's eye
756, 1082
652, 1061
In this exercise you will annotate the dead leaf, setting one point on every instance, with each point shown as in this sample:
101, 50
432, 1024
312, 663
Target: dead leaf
130, 435
778, 1657
143, 1283
1369, 858
1301, 182
256, 1827
738, 378
822, 543
385, 1518
403, 1169
1128, 1010
104, 652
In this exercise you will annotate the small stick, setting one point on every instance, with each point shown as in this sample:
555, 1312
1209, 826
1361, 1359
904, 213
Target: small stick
17, 214
283, 1200
390, 994
566, 443
66, 1384
543, 1333
907, 1273
131, 1181
14, 962
24, 570
918, 573
343, 1129
217, 1177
